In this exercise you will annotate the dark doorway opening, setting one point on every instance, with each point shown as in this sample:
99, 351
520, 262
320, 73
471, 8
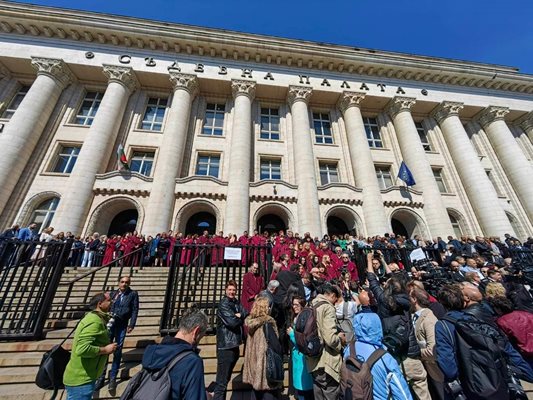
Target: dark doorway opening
270, 223
124, 221
337, 226
200, 222
398, 228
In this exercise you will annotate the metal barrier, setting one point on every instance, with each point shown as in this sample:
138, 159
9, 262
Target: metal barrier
80, 289
198, 275
29, 276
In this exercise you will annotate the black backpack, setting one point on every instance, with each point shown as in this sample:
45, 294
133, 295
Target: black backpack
396, 331
308, 341
481, 359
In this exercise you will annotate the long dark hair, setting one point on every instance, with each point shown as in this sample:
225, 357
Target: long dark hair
394, 286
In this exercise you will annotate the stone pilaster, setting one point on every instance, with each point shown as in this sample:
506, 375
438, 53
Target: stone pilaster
399, 108
478, 187
162, 195
96, 150
24, 129
308, 208
363, 166
514, 162
237, 217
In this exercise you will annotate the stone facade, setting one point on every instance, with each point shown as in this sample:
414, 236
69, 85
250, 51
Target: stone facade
249, 129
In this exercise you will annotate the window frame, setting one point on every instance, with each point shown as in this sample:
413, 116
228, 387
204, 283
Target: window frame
59, 152
491, 177
89, 118
438, 175
213, 128
157, 107
327, 164
269, 133
143, 161
210, 156
48, 213
381, 176
271, 167
20, 92
321, 120
422, 134
369, 123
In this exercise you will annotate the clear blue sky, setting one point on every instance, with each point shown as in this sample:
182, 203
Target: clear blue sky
496, 32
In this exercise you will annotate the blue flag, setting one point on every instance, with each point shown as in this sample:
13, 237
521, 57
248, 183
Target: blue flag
405, 175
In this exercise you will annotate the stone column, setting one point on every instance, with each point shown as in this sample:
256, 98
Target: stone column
5, 76
24, 129
478, 187
514, 162
363, 166
308, 208
526, 123
415, 157
237, 217
162, 195
96, 150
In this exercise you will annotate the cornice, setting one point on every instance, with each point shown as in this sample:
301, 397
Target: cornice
273, 182
340, 185
401, 189
351, 202
127, 32
203, 195
408, 204
125, 174
193, 178
282, 199
131, 192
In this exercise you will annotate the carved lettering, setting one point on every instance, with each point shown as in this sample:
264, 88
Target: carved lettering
345, 85
400, 90
124, 59
325, 83
150, 61
364, 87
246, 73
304, 79
174, 67
269, 76
382, 86
199, 68
222, 70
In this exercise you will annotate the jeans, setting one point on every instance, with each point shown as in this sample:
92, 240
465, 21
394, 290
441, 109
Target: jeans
83, 392
88, 257
226, 360
118, 334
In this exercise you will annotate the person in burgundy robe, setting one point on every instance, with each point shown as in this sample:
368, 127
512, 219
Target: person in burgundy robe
217, 255
110, 249
349, 266
252, 284
244, 241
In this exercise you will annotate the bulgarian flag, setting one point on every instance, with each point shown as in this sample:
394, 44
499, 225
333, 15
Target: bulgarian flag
122, 160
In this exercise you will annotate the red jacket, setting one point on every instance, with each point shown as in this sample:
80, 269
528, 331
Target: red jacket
518, 326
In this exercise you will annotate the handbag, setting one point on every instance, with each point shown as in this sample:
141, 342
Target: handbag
274, 360
52, 367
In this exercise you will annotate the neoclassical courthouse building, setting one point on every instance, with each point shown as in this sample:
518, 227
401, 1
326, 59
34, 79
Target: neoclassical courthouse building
234, 131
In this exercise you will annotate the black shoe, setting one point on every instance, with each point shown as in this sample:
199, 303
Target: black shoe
112, 384
99, 384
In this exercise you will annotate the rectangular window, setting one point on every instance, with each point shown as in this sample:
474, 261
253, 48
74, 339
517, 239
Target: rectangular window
88, 108
384, 177
15, 102
328, 173
214, 119
154, 114
142, 162
270, 169
208, 165
66, 159
492, 180
322, 128
372, 132
437, 173
269, 123
423, 136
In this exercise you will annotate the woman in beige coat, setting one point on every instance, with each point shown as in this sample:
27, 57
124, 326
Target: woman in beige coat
254, 370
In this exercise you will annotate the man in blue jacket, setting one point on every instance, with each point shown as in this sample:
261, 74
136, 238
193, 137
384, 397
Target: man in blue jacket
28, 233
388, 381
187, 376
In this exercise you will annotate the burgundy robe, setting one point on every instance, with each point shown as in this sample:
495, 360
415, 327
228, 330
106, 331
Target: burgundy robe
251, 287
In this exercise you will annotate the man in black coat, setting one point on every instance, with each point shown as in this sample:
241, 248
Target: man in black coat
230, 321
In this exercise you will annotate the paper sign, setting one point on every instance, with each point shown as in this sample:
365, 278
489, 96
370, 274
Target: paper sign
232, 253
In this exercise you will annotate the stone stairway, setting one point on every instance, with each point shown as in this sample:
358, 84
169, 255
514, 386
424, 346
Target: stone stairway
19, 360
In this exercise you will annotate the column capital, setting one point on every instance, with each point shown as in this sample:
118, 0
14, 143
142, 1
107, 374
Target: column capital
399, 104
55, 68
4, 72
491, 114
187, 82
241, 87
299, 93
525, 122
446, 109
350, 99
123, 75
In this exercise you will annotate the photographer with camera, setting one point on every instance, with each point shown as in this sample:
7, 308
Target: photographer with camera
124, 311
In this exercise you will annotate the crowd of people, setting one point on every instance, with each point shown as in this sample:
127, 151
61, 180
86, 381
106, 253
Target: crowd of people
457, 326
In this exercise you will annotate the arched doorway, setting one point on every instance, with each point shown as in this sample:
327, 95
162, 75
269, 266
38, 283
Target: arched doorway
398, 228
337, 226
200, 222
270, 223
124, 221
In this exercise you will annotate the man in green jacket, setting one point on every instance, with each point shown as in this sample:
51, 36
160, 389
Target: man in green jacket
90, 350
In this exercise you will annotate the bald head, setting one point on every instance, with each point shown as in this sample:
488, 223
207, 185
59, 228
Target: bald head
471, 294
